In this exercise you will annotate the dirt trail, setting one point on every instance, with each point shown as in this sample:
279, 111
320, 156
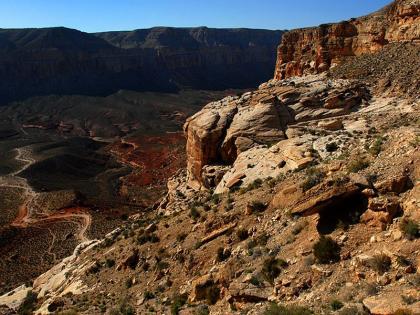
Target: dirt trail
25, 217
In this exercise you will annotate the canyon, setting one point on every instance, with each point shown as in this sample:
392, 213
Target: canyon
300, 196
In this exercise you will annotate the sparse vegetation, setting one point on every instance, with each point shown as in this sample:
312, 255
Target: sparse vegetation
275, 309
177, 302
242, 234
326, 250
331, 147
380, 263
109, 263
147, 238
336, 305
222, 254
410, 228
28, 305
272, 268
314, 176
194, 213
257, 206
376, 147
358, 164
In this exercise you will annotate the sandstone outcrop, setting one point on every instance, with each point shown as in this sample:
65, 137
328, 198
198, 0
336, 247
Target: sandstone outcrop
240, 129
315, 50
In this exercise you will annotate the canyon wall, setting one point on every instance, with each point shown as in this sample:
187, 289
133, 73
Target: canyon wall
314, 50
65, 61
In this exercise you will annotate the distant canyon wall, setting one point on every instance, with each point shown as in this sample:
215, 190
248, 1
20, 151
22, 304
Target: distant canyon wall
65, 61
314, 50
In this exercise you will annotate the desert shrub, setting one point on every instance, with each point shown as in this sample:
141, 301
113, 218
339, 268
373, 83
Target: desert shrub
128, 283
297, 228
314, 176
29, 303
376, 147
194, 213
212, 294
403, 312
222, 254
254, 185
126, 309
242, 234
161, 265
352, 310
331, 147
147, 237
410, 228
215, 198
109, 263
181, 237
275, 309
202, 310
357, 165
95, 268
336, 305
255, 281
326, 250
148, 295
257, 206
380, 263
272, 267
177, 302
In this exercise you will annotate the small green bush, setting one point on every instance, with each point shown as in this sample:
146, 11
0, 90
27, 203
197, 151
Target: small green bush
212, 294
275, 309
410, 228
257, 206
272, 267
242, 234
314, 176
194, 213
109, 263
376, 146
222, 254
29, 303
380, 263
336, 305
177, 302
357, 165
331, 147
148, 295
326, 250
181, 237
148, 237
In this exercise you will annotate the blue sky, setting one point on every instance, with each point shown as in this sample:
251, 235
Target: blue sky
104, 15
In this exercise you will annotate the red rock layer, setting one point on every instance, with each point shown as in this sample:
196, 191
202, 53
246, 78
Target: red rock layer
315, 50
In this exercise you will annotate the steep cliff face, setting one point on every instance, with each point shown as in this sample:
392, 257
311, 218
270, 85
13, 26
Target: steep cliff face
65, 61
314, 50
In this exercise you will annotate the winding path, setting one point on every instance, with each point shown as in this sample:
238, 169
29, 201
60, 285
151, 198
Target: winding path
25, 217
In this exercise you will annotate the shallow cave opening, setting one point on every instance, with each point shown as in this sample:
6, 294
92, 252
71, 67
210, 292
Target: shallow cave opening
342, 212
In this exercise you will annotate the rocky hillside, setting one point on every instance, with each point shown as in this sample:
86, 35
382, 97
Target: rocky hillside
301, 197
65, 61
314, 50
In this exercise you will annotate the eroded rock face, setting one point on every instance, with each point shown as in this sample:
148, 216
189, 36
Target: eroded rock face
315, 50
244, 128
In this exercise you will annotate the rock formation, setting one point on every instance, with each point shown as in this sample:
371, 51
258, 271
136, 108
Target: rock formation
315, 50
225, 131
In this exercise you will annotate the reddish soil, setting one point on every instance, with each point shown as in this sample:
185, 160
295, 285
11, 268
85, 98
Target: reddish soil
154, 159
